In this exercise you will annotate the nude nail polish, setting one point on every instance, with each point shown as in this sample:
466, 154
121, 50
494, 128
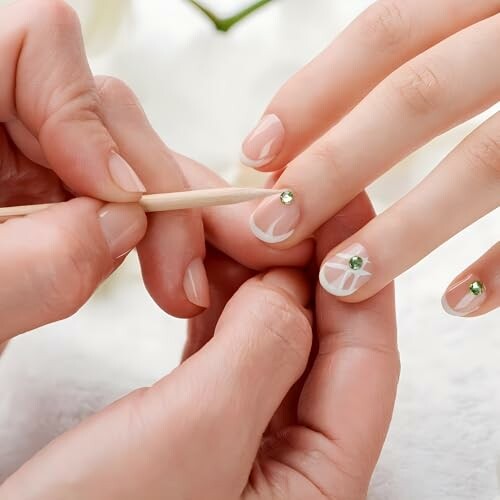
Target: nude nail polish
122, 226
347, 271
124, 175
464, 297
196, 284
264, 143
276, 218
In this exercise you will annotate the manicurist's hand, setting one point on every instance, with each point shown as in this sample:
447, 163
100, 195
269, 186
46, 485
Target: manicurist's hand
402, 73
268, 404
61, 133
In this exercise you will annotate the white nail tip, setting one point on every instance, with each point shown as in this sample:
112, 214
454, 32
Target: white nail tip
247, 162
338, 287
338, 291
448, 309
462, 308
269, 236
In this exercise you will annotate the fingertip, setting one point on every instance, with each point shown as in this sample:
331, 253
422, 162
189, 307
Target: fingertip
196, 285
123, 226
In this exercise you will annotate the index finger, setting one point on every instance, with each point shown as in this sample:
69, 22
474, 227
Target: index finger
46, 85
388, 34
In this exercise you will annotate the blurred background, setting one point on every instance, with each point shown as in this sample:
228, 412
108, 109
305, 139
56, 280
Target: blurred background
203, 90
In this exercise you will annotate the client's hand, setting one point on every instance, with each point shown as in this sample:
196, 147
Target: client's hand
266, 406
398, 76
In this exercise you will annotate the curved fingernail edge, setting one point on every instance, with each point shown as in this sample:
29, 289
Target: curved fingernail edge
196, 284
124, 175
464, 297
347, 271
122, 227
274, 220
264, 143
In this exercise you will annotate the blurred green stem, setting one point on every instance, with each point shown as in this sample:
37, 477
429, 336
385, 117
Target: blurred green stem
227, 23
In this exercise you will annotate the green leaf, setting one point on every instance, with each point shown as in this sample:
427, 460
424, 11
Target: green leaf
225, 24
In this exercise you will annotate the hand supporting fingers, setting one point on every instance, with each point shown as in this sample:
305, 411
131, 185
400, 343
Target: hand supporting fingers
198, 445
53, 261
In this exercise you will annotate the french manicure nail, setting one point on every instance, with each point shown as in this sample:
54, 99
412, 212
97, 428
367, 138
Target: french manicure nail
196, 284
276, 218
264, 143
123, 226
464, 297
123, 174
347, 271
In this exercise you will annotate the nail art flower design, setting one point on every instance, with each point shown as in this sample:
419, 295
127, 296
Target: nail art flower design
464, 297
346, 272
276, 218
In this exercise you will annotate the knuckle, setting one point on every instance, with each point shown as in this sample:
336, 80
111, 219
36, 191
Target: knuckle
288, 327
70, 277
56, 12
117, 91
419, 87
484, 152
385, 24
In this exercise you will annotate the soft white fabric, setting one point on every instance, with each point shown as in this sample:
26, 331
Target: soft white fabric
203, 91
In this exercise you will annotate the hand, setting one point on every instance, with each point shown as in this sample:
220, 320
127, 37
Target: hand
398, 76
59, 133
251, 413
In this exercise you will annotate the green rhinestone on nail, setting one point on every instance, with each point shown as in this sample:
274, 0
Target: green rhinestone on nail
476, 288
356, 262
286, 197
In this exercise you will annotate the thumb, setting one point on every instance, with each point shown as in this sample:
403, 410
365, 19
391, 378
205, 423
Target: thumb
52, 261
195, 434
49, 89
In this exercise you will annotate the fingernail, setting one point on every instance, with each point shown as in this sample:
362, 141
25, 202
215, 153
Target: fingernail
347, 271
464, 297
123, 174
123, 226
276, 218
196, 284
264, 143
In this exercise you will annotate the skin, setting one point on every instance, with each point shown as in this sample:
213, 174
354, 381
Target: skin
261, 408
58, 125
402, 73
254, 363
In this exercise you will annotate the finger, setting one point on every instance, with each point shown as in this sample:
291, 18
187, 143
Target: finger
227, 228
225, 276
260, 348
205, 420
52, 261
385, 247
440, 88
476, 290
173, 250
48, 86
347, 401
381, 39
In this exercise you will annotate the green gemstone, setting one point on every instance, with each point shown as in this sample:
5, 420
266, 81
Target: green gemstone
356, 262
476, 288
286, 197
